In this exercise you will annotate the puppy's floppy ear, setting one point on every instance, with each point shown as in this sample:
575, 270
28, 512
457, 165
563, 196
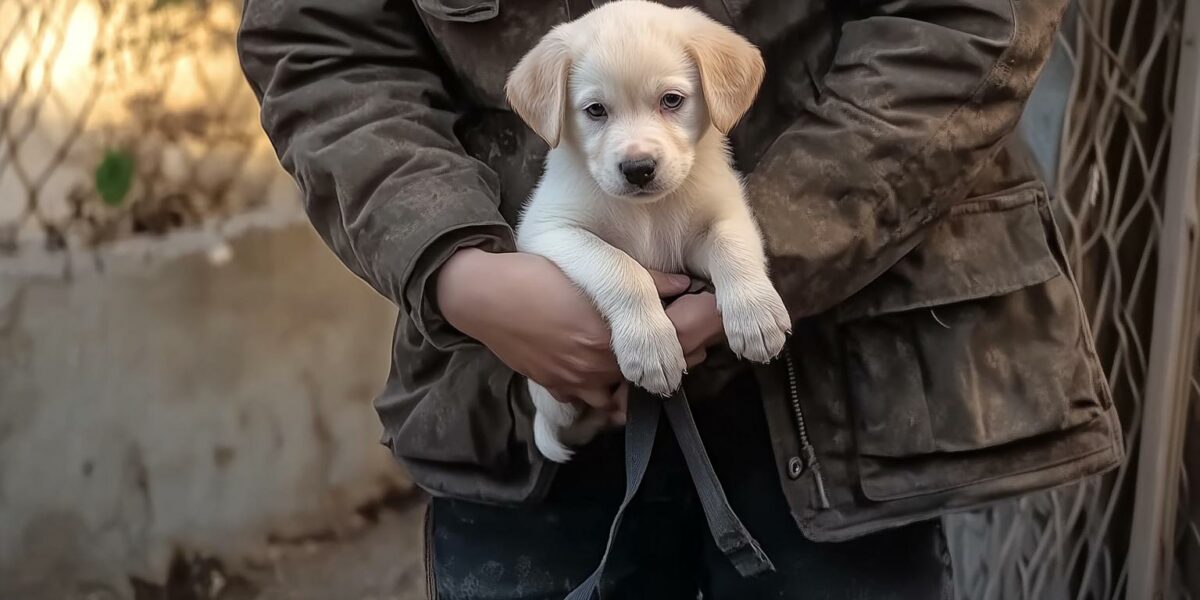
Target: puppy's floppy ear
537, 87
731, 70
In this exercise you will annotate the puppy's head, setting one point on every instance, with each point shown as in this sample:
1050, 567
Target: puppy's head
631, 88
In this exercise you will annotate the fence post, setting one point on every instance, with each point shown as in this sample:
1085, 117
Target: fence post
1172, 347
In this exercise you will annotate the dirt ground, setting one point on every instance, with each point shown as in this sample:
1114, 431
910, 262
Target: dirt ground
380, 561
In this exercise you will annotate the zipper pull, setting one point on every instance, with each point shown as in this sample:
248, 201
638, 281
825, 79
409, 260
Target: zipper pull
811, 455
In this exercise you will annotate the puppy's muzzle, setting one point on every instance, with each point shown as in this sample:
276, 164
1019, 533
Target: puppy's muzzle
639, 172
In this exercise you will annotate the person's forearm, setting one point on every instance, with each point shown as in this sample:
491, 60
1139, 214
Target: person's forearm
461, 290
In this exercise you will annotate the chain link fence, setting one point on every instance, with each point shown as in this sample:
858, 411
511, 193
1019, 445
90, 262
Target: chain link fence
121, 118
1187, 538
1109, 182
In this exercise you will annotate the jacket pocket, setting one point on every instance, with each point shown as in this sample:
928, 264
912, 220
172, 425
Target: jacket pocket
974, 340
462, 11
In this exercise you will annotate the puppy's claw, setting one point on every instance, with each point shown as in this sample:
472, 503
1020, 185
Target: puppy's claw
756, 324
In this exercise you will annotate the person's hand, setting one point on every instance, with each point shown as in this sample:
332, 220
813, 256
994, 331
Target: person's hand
527, 312
698, 324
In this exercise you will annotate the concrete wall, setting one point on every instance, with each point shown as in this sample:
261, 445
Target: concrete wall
150, 406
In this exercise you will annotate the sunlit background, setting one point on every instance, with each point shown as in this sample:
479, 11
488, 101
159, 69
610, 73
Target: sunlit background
186, 372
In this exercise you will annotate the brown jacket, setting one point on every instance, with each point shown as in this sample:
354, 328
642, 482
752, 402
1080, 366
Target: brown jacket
941, 357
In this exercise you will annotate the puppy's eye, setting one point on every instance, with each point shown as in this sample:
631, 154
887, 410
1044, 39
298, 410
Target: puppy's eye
595, 110
671, 101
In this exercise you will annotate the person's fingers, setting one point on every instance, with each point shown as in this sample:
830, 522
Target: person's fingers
616, 418
620, 396
562, 395
601, 368
598, 398
697, 321
670, 284
620, 399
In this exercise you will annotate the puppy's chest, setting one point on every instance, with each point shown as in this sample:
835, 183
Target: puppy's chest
659, 241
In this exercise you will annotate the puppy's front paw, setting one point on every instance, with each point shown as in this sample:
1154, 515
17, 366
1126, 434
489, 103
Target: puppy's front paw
756, 322
649, 354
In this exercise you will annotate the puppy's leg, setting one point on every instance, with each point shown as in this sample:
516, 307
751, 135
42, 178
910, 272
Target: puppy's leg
643, 338
559, 425
550, 421
731, 253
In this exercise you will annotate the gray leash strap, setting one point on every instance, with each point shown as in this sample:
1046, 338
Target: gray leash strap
641, 426
727, 530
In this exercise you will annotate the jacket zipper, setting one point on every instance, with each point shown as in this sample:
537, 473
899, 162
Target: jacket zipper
810, 453
430, 580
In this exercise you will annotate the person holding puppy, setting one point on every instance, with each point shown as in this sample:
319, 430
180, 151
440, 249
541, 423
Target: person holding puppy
939, 358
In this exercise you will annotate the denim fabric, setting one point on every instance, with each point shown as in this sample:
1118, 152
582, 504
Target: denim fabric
663, 549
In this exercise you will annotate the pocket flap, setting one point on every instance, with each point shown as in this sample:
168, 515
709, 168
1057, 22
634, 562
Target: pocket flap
984, 247
884, 479
463, 11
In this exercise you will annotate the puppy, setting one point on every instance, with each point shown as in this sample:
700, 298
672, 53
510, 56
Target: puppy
635, 99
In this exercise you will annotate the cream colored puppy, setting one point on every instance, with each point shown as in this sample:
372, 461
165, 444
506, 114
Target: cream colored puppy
635, 99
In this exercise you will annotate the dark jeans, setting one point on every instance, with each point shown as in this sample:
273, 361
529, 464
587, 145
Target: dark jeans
664, 550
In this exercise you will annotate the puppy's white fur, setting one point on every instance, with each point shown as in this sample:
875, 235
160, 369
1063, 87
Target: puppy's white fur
604, 230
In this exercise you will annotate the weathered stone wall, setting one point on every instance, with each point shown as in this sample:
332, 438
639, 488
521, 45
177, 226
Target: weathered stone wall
149, 406
184, 367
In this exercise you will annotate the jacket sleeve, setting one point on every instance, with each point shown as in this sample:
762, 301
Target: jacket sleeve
919, 95
354, 101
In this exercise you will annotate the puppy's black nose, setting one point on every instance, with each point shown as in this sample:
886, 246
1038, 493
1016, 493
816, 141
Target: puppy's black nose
639, 172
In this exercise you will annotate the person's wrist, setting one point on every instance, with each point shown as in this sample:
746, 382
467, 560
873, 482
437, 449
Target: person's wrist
458, 292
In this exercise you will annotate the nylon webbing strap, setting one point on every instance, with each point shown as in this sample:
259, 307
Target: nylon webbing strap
727, 530
641, 426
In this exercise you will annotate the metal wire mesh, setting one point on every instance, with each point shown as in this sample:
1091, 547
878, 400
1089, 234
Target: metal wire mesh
1070, 543
123, 118
1187, 535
